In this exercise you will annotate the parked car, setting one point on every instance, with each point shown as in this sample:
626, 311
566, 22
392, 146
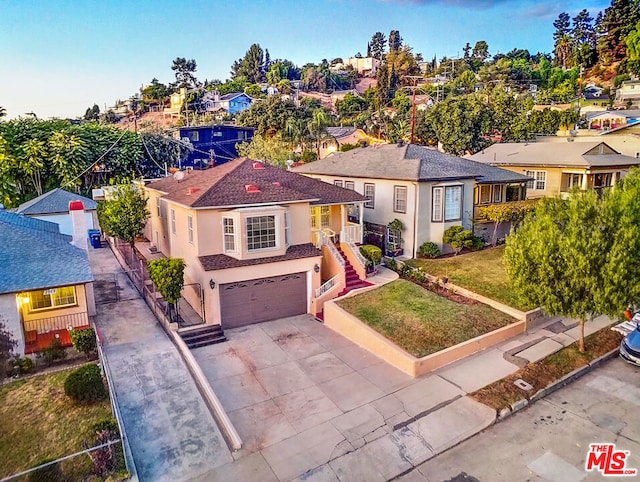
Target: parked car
630, 347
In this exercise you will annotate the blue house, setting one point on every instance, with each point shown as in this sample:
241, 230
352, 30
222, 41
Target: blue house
231, 104
213, 145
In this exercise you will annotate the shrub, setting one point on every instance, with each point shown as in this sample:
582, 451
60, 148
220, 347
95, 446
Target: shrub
371, 253
392, 264
85, 384
53, 352
429, 250
22, 365
459, 238
84, 341
50, 473
107, 424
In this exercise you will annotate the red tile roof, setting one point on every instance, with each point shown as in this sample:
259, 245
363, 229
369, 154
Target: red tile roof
225, 185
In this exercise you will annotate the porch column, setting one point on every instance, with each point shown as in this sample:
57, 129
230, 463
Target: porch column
584, 181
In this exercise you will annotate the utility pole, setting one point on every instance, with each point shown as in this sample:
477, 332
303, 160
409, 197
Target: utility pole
413, 103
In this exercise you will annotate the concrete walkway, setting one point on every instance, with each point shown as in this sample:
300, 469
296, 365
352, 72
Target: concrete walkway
352, 417
171, 432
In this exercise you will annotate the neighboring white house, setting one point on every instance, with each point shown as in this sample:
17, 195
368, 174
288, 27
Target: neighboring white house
428, 191
53, 206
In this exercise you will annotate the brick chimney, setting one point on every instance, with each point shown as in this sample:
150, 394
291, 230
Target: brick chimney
79, 223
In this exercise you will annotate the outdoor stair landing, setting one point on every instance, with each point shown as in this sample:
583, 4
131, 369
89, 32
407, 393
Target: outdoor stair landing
203, 336
353, 280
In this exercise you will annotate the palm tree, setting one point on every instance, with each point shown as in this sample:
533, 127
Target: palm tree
317, 128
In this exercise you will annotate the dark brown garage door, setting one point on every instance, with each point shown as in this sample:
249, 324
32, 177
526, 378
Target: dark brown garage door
264, 299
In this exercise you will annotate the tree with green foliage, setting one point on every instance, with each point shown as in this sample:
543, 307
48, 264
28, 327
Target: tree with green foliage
618, 20
395, 41
317, 128
167, 275
512, 212
84, 341
273, 150
481, 51
561, 38
185, 72
377, 46
125, 215
557, 257
156, 91
92, 113
251, 66
3, 112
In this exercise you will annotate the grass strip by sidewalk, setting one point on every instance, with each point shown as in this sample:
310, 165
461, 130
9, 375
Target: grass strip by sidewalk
419, 321
503, 393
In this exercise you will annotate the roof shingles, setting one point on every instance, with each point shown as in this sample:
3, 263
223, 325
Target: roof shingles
222, 261
225, 186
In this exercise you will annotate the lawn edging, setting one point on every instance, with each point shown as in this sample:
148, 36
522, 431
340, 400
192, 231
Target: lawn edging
361, 334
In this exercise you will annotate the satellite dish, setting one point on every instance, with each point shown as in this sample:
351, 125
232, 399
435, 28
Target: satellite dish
178, 176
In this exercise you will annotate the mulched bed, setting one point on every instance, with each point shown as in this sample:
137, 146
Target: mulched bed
503, 393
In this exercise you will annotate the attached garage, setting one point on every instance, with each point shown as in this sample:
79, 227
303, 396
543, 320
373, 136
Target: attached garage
247, 302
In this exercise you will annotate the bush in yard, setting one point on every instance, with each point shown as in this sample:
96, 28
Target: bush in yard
371, 253
459, 238
85, 384
22, 365
84, 341
108, 424
53, 352
429, 250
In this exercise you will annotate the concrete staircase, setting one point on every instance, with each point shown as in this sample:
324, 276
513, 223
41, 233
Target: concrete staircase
353, 280
203, 336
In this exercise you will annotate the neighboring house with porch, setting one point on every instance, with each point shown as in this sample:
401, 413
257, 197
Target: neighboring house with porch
46, 284
427, 190
259, 240
557, 167
628, 93
231, 104
611, 120
54, 206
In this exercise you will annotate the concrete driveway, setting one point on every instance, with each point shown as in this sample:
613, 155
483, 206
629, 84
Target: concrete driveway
301, 395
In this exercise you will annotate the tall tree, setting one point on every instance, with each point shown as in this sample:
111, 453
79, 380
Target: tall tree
481, 51
184, 71
125, 215
251, 66
317, 127
562, 47
377, 46
583, 35
395, 41
556, 258
156, 91
618, 20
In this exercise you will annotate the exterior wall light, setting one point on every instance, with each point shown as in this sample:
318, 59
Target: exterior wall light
316, 268
212, 284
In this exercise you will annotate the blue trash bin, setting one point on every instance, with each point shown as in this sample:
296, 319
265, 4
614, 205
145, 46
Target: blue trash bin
94, 238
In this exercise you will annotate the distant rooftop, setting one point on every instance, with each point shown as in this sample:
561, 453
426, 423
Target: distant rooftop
54, 202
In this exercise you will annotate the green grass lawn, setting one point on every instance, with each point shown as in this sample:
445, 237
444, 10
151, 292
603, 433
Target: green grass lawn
482, 272
419, 321
38, 422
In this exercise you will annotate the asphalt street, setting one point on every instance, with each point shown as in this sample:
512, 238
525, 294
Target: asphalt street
550, 440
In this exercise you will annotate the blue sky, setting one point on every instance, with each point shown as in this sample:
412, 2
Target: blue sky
60, 57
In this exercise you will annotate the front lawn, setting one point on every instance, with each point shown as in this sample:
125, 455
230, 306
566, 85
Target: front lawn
38, 422
482, 272
419, 321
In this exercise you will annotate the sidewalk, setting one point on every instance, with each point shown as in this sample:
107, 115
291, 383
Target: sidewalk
399, 431
170, 430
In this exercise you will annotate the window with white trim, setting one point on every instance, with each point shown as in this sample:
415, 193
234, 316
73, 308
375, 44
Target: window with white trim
158, 206
287, 228
436, 206
337, 183
349, 185
52, 298
446, 204
190, 228
539, 182
574, 180
399, 199
497, 193
229, 235
261, 232
370, 194
485, 193
173, 221
452, 203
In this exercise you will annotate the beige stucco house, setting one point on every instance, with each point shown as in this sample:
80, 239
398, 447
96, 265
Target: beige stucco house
427, 190
556, 168
345, 135
259, 240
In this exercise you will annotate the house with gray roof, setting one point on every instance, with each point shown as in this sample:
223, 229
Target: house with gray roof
46, 284
53, 206
427, 190
558, 167
259, 239
338, 136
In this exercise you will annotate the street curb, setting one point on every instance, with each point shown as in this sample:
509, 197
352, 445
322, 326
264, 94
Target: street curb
548, 390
